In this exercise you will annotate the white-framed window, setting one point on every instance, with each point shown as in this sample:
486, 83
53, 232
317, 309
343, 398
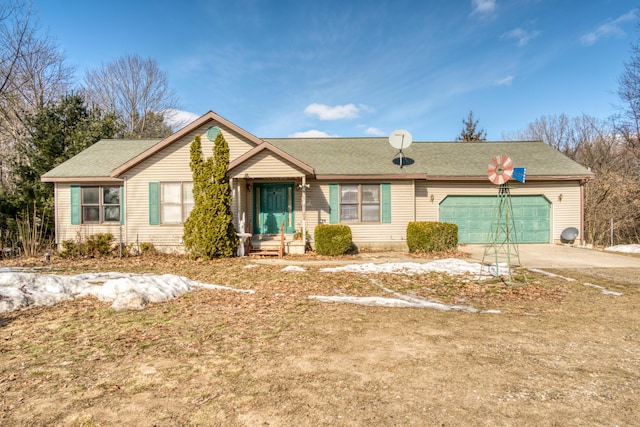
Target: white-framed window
359, 203
100, 204
176, 202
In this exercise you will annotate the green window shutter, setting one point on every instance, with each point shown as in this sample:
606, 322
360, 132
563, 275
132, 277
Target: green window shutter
75, 204
334, 204
154, 204
386, 202
122, 205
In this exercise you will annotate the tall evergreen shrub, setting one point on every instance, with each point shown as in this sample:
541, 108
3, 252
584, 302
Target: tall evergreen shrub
209, 231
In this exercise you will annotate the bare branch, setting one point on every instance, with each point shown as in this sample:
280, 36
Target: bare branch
134, 88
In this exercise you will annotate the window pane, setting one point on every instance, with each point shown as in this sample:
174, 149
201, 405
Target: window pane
111, 195
171, 192
187, 192
112, 213
371, 213
171, 214
90, 213
187, 199
370, 194
349, 212
186, 211
90, 196
349, 194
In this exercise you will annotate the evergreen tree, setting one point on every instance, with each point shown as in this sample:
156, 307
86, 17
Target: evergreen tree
58, 131
209, 231
469, 132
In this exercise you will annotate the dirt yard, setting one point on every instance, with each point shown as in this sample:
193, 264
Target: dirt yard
558, 353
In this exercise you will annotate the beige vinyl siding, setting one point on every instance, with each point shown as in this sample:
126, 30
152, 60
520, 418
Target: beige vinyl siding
67, 231
365, 235
564, 213
169, 165
265, 165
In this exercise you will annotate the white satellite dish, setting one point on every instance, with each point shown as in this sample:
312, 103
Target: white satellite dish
400, 139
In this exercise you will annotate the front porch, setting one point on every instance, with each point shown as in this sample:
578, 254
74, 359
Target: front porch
270, 215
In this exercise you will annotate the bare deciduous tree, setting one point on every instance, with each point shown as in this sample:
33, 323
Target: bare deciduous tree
562, 133
614, 193
629, 92
612, 198
135, 89
32, 73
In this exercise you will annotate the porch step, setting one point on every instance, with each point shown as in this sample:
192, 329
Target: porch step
267, 246
258, 252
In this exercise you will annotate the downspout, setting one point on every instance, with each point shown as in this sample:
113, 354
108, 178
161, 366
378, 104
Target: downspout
303, 201
413, 183
240, 195
124, 212
582, 239
55, 213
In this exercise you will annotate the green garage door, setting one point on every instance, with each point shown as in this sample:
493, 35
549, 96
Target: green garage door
474, 216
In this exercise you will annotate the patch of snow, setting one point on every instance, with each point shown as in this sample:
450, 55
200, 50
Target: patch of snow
20, 290
604, 290
396, 302
293, 268
629, 249
420, 302
451, 266
569, 279
546, 273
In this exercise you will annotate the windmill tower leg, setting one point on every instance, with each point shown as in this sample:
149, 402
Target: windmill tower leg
502, 244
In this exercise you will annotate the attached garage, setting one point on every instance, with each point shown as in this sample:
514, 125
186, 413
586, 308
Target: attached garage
475, 216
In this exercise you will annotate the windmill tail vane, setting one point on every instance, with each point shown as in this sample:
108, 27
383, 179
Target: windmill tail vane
519, 174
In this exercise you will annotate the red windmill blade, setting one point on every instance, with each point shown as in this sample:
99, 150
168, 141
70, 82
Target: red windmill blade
500, 169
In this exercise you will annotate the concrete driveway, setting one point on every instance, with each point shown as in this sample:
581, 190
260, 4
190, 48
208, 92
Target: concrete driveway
559, 256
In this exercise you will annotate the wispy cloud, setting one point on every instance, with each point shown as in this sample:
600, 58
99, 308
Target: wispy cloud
521, 36
506, 81
483, 7
312, 133
338, 112
374, 131
607, 29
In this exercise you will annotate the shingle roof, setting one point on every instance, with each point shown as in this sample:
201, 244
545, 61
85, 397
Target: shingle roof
100, 159
355, 156
372, 156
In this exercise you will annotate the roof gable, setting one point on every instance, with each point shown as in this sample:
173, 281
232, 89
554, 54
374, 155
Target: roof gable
191, 127
278, 153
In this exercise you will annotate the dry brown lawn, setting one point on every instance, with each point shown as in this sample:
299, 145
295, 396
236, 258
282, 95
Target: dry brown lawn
559, 353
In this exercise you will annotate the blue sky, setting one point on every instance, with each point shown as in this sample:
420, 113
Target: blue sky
358, 68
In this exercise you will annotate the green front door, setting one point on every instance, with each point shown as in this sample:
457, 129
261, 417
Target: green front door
274, 207
474, 216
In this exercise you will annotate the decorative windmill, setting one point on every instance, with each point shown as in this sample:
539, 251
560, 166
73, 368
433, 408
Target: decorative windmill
503, 240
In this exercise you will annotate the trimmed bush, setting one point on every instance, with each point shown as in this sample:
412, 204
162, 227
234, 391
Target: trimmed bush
332, 239
432, 236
